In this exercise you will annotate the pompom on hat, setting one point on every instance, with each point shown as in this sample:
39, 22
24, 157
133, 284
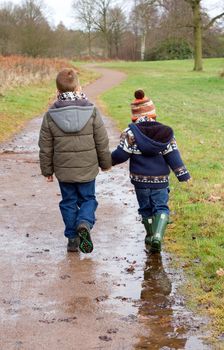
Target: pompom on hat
142, 106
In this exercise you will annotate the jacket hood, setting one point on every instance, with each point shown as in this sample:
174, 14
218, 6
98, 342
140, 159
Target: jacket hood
151, 137
71, 118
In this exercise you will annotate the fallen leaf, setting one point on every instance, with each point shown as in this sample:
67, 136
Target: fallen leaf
206, 288
220, 272
53, 320
101, 298
67, 319
130, 269
112, 330
89, 282
40, 274
64, 277
105, 338
214, 199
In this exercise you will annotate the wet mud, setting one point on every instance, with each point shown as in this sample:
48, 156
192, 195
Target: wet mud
118, 297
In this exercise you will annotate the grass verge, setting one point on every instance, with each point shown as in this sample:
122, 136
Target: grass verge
192, 103
18, 105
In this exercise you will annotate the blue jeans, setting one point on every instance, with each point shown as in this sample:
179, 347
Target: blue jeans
78, 205
152, 201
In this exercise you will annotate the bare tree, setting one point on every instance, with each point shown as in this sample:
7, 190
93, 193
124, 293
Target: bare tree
144, 17
116, 27
94, 15
196, 7
8, 43
85, 11
101, 22
176, 20
35, 32
198, 28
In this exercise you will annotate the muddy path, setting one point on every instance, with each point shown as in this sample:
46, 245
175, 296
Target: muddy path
118, 297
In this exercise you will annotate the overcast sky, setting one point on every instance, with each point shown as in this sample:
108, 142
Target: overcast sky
59, 10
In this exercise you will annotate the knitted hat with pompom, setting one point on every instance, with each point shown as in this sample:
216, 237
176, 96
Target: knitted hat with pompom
142, 106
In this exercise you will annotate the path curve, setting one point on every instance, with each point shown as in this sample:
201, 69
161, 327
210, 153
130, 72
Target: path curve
115, 298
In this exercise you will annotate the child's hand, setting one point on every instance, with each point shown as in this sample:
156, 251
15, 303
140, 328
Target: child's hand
50, 178
187, 183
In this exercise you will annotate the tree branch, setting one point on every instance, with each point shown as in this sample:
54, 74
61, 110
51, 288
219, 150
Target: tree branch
213, 20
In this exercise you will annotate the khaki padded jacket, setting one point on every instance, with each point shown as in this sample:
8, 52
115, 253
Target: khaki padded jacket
73, 144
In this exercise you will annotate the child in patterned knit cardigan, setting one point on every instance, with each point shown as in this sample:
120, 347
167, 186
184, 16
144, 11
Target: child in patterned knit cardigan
152, 150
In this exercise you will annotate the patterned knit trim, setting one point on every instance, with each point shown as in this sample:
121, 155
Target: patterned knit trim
149, 179
127, 142
71, 96
144, 119
180, 171
172, 146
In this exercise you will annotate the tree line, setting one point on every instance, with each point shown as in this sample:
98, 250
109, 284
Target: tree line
133, 30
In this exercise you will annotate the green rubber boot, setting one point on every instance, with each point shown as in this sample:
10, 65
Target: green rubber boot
159, 226
147, 222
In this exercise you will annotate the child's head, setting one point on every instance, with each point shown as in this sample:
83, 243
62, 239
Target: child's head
142, 106
67, 80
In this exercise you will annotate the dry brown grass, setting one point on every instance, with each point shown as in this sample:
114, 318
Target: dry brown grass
17, 71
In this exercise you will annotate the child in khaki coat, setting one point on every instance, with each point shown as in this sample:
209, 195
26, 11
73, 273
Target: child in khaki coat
73, 145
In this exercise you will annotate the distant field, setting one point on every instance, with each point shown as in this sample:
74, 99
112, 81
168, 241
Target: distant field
193, 104
27, 87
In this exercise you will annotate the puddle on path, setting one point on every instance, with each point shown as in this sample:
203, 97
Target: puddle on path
25, 142
144, 286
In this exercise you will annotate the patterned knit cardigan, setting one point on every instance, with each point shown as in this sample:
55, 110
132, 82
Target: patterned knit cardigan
152, 150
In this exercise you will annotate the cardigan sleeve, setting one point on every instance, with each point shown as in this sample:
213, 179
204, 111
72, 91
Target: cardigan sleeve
124, 150
173, 158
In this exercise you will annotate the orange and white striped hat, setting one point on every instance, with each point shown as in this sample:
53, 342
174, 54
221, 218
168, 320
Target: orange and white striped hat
142, 106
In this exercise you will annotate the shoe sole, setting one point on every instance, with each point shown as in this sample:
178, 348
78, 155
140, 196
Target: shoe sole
86, 244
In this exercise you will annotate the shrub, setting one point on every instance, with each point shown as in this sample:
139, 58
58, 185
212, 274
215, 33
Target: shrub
171, 49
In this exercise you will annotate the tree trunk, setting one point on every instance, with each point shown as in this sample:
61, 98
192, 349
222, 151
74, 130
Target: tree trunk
106, 46
197, 36
117, 48
143, 38
89, 43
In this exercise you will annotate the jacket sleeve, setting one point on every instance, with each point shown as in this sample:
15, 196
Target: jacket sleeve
173, 158
124, 149
101, 142
46, 148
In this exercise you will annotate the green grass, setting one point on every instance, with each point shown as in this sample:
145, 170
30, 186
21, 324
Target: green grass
193, 104
21, 105
18, 105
